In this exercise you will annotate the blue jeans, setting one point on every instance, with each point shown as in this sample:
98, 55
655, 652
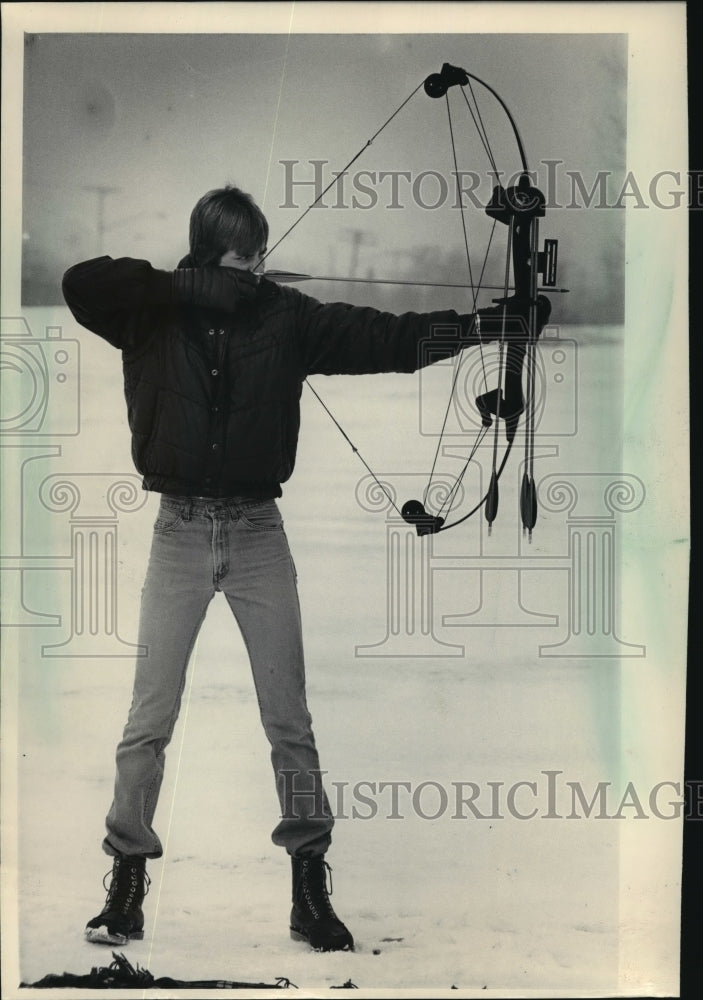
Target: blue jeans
237, 546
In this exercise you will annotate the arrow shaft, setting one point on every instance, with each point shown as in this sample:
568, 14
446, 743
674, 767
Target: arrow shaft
285, 277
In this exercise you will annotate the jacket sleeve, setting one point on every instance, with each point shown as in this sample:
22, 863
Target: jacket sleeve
340, 339
107, 295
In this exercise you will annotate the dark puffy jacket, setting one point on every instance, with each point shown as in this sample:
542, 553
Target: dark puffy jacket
214, 366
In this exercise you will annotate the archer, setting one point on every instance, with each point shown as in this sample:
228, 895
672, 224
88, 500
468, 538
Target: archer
214, 357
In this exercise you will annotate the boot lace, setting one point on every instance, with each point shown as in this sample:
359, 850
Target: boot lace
130, 883
315, 890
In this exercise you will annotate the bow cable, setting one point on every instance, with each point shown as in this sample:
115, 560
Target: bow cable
353, 447
480, 127
448, 502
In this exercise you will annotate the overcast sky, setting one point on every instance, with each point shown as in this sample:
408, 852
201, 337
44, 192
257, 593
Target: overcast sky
155, 120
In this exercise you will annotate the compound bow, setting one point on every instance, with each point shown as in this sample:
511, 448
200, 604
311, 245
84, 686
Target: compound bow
518, 207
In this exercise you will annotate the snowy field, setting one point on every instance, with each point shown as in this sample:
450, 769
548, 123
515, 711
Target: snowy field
437, 898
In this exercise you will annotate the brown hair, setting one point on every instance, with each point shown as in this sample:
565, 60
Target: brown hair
226, 219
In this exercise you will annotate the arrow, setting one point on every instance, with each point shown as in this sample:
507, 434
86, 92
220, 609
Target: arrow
289, 277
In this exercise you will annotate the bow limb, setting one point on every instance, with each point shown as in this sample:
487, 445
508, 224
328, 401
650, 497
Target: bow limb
485, 498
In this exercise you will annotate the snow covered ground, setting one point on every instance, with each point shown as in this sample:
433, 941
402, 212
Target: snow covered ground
472, 903
540, 906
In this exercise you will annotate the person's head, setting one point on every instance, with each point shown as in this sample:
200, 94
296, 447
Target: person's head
227, 223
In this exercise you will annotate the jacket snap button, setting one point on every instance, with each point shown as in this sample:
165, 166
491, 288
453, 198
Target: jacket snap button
211, 332
214, 371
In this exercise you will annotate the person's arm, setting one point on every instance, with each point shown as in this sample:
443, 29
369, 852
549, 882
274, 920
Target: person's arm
104, 294
341, 339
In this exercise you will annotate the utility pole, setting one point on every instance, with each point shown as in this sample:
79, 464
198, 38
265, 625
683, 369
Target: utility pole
102, 191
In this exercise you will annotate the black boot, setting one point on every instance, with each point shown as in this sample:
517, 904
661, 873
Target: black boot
312, 918
121, 917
